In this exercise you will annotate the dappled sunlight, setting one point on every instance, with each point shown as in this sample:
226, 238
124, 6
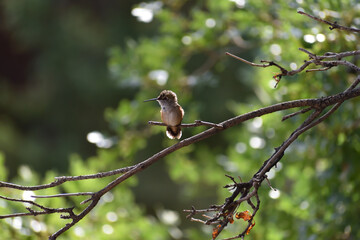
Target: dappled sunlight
309, 38
257, 142
145, 11
108, 229
111, 216
274, 193
239, 3
99, 140
160, 76
210, 23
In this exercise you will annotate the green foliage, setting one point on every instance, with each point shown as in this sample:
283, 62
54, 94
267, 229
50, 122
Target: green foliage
182, 49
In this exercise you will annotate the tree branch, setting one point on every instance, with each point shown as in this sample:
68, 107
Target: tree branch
314, 59
333, 25
189, 125
60, 180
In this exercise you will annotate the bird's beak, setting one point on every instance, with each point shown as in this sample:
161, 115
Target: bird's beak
152, 99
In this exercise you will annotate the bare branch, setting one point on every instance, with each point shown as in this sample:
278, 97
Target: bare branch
189, 125
64, 195
317, 60
318, 69
60, 180
311, 55
75, 219
296, 113
333, 25
328, 55
248, 62
31, 212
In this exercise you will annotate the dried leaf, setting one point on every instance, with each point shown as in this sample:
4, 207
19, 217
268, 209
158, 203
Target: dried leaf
246, 215
251, 226
215, 231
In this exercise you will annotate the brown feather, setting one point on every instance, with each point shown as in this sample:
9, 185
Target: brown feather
173, 132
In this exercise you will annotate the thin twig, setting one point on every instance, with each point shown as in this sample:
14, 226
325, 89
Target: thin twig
60, 180
189, 125
328, 55
311, 55
333, 25
31, 212
296, 113
317, 60
248, 62
64, 195
318, 69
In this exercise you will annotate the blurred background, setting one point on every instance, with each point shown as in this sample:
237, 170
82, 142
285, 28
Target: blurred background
73, 77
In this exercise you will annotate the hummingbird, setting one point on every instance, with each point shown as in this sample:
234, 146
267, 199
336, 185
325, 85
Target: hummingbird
171, 113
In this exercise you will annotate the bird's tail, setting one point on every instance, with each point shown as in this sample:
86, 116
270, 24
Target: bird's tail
173, 132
